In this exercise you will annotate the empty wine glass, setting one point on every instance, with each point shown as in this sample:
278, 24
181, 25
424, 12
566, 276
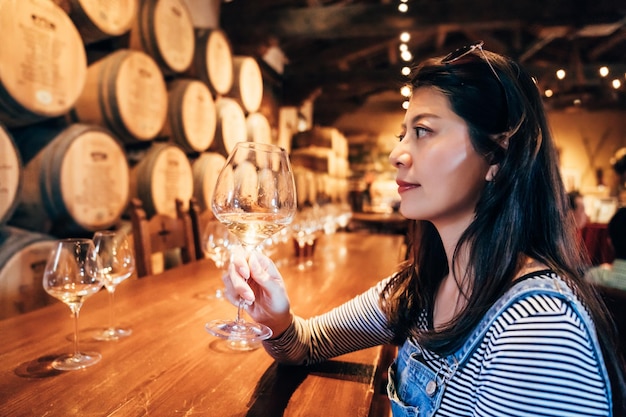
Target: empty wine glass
217, 241
305, 229
254, 198
71, 275
117, 264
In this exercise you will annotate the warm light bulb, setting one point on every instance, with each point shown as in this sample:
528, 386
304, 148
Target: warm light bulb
405, 37
406, 56
560, 74
548, 93
604, 71
404, 47
403, 8
405, 104
406, 71
405, 91
616, 83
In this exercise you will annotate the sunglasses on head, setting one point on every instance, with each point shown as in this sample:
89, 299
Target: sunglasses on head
466, 50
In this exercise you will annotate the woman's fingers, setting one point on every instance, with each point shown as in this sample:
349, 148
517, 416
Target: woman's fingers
235, 279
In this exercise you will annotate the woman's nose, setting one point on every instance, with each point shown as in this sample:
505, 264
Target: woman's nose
399, 157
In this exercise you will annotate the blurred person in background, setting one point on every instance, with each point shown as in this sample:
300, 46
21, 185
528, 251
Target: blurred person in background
613, 274
618, 163
577, 205
491, 313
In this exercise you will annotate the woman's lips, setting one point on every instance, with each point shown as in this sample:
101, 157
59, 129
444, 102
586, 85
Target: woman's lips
405, 186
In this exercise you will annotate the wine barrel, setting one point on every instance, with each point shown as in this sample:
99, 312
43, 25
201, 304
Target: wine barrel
247, 83
98, 20
43, 64
76, 180
160, 177
213, 60
125, 92
164, 30
259, 129
10, 175
206, 169
191, 115
23, 257
231, 126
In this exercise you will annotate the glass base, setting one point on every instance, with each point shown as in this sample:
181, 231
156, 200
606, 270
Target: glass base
240, 335
73, 362
217, 295
110, 334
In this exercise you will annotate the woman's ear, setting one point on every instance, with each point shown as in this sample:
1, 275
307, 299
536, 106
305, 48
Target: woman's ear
491, 172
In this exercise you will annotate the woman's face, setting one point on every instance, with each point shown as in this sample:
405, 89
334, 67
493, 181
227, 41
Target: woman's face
440, 176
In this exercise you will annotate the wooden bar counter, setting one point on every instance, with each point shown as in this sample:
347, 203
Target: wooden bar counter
171, 366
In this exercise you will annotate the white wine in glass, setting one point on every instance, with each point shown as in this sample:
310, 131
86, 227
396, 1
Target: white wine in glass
254, 197
117, 264
71, 275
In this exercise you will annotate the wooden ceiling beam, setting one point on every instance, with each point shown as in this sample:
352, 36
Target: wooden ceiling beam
348, 20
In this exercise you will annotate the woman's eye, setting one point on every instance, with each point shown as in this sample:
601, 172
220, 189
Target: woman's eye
420, 131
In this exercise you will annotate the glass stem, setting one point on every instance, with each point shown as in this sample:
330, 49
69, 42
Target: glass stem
75, 310
239, 310
111, 309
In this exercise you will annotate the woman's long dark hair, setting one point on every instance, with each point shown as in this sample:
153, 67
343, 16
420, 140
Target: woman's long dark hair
522, 213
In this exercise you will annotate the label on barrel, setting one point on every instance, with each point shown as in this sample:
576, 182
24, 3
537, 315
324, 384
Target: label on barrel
173, 30
42, 60
95, 180
199, 118
141, 95
219, 62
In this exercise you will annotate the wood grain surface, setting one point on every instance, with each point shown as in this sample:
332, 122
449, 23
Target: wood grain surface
171, 366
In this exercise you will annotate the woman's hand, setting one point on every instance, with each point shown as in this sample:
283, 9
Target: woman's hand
257, 281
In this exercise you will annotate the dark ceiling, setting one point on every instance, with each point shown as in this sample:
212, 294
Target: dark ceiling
340, 52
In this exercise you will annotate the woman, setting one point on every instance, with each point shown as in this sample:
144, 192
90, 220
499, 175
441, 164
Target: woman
490, 313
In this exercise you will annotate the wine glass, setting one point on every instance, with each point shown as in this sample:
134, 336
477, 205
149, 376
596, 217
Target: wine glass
254, 197
217, 241
117, 264
304, 231
71, 275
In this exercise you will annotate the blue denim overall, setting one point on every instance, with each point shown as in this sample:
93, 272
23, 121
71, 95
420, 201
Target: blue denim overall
416, 390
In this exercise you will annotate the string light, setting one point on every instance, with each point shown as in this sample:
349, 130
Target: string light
405, 54
604, 71
560, 74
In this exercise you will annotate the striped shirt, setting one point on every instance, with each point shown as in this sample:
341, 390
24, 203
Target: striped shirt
536, 359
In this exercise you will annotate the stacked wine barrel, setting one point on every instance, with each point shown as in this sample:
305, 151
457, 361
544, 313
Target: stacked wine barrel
104, 101
320, 160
